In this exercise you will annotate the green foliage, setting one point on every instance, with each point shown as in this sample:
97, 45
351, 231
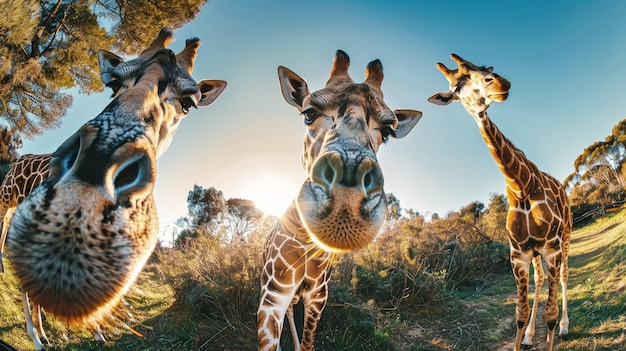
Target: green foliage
599, 176
225, 220
242, 215
185, 238
135, 23
206, 206
9, 143
49, 46
393, 205
218, 281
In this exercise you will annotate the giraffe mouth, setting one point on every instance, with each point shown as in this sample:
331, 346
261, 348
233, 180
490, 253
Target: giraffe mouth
82, 274
498, 97
342, 220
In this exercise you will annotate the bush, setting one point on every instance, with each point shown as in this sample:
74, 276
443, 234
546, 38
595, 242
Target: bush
218, 282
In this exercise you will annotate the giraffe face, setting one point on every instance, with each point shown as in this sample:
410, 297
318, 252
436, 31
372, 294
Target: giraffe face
342, 202
476, 87
80, 239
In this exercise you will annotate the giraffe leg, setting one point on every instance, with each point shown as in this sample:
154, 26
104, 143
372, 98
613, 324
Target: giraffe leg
3, 237
564, 325
313, 306
521, 266
97, 334
38, 324
539, 277
30, 326
271, 315
292, 325
551, 313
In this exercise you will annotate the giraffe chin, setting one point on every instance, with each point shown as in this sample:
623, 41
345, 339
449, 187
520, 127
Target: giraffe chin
343, 220
79, 270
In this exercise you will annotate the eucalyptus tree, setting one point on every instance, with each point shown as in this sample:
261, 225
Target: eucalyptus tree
49, 46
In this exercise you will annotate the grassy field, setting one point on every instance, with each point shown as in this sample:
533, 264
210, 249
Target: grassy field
483, 319
475, 317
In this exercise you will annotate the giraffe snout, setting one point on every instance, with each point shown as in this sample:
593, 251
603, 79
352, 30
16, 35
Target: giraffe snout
331, 170
120, 172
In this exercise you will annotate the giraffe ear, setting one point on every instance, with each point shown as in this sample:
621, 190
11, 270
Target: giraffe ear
407, 119
489, 69
442, 99
210, 90
107, 62
293, 87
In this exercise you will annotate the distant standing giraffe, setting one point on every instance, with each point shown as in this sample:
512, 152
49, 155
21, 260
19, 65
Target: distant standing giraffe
341, 205
25, 174
539, 220
80, 239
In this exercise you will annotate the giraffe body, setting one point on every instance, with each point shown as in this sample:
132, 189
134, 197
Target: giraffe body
341, 204
80, 239
27, 172
539, 220
294, 270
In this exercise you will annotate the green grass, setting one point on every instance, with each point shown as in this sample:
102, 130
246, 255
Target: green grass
478, 316
597, 286
483, 319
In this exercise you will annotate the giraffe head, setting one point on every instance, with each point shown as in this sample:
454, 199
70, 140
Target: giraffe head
342, 203
173, 74
474, 86
81, 238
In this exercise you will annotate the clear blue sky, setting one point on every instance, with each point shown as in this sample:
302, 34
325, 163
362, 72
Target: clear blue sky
565, 61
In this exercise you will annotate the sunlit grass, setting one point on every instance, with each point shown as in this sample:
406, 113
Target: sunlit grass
598, 286
205, 298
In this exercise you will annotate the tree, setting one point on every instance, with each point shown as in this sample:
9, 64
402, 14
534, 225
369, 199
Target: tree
242, 216
9, 144
599, 171
474, 209
135, 23
47, 46
393, 206
493, 221
206, 206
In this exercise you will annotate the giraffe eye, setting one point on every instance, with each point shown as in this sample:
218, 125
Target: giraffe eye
386, 132
310, 115
186, 104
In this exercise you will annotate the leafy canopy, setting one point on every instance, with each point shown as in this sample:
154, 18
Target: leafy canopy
48, 46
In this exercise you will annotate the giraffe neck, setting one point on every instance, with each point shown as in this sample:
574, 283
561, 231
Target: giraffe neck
519, 172
290, 224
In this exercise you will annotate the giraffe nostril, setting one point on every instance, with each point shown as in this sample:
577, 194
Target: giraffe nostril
328, 174
65, 157
327, 170
133, 175
371, 176
127, 176
331, 170
69, 159
367, 180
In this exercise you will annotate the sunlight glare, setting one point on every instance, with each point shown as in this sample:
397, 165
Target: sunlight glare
272, 193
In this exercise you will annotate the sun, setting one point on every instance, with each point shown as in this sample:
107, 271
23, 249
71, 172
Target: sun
272, 193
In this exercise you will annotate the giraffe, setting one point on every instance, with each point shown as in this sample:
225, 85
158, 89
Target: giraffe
80, 239
539, 219
341, 205
26, 173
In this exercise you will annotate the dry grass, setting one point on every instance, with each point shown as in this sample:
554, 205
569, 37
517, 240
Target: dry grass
205, 299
